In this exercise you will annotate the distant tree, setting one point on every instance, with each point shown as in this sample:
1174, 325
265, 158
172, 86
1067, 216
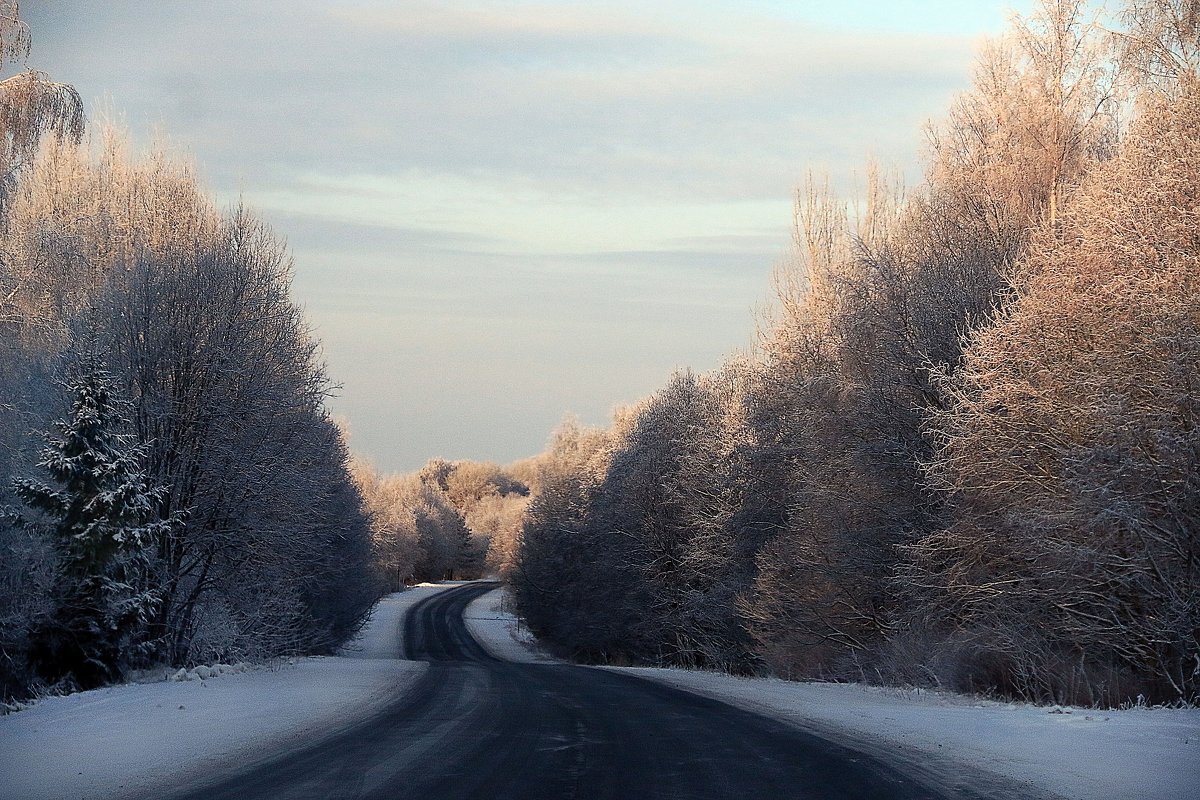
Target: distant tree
420, 521
437, 473
393, 524
101, 514
445, 541
472, 482
498, 519
492, 503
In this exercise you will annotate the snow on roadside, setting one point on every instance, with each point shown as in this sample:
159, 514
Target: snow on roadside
382, 636
1080, 754
136, 739
497, 629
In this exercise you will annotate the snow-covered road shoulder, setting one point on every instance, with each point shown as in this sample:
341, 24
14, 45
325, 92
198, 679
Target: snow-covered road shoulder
1150, 754
129, 740
491, 622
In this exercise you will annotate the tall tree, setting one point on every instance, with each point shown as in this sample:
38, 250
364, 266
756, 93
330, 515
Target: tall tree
194, 309
100, 511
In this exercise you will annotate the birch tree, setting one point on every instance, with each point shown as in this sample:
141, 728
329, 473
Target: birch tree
31, 105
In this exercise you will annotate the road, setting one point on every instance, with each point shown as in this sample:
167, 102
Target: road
478, 727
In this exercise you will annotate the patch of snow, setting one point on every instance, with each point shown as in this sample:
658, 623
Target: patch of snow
201, 673
137, 739
382, 636
491, 621
1151, 754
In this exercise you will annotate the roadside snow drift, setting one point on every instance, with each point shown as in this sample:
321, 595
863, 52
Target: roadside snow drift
129, 740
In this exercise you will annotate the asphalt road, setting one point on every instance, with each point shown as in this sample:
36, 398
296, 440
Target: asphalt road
477, 727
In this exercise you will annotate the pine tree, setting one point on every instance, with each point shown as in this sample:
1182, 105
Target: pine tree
100, 514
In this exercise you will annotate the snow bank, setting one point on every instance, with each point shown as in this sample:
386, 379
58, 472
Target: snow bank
132, 739
497, 629
1151, 754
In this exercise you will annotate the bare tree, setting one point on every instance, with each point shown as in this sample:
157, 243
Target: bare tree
1161, 41
31, 105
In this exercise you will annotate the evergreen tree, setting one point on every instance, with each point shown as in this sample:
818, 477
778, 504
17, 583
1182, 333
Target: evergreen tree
99, 512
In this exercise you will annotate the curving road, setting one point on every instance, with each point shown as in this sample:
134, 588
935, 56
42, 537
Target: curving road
477, 727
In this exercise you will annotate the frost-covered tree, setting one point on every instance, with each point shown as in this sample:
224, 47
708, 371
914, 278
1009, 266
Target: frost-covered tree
887, 290
194, 312
395, 548
1161, 41
1070, 445
31, 108
970, 424
31, 105
100, 511
420, 521
564, 571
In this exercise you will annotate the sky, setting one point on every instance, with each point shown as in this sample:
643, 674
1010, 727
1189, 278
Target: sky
502, 213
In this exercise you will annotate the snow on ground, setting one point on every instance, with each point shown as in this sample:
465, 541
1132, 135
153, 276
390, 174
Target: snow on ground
1081, 754
1151, 754
131, 739
490, 620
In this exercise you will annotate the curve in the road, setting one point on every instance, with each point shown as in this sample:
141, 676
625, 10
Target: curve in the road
478, 727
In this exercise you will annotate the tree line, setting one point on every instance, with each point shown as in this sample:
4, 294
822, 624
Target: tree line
447, 521
965, 452
173, 488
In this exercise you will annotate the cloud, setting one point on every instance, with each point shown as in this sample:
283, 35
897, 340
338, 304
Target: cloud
466, 20
672, 103
504, 211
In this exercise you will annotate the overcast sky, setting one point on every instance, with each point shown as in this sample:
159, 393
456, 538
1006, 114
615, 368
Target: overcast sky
504, 212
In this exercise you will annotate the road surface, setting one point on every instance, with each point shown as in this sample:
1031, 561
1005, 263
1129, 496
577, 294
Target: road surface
478, 727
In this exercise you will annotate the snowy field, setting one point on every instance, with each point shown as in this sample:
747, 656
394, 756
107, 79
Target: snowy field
128, 740
1140, 754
